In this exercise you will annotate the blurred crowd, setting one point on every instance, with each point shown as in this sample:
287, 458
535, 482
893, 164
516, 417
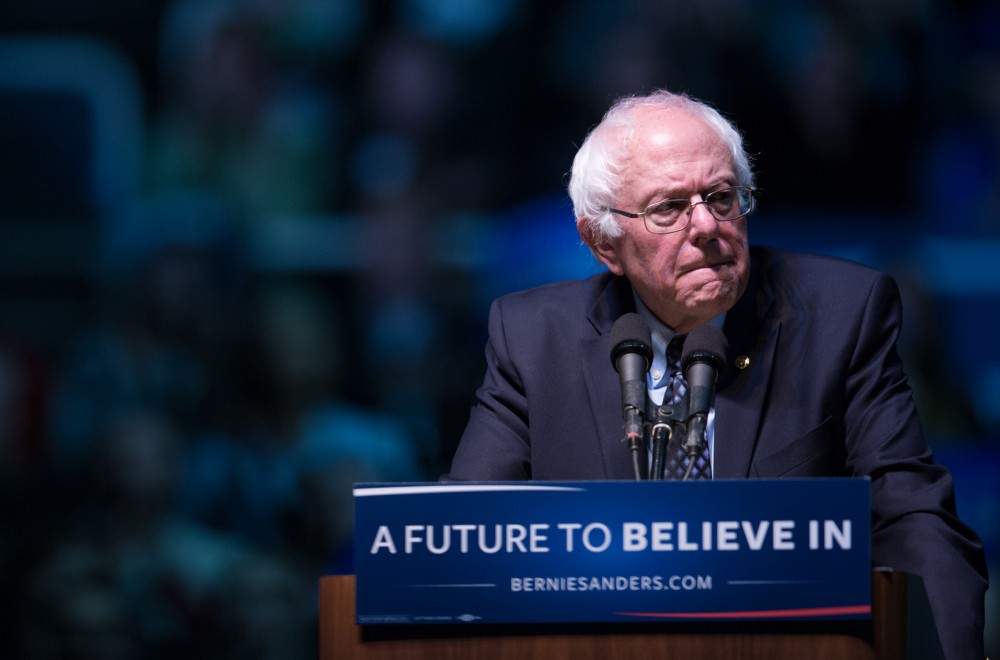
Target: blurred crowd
284, 293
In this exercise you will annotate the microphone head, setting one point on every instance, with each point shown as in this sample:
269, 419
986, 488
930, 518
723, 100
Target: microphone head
630, 334
706, 344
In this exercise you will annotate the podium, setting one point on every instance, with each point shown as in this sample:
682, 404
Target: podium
579, 570
898, 611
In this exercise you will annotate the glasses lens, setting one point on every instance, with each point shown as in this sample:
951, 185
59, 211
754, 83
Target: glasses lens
668, 215
730, 203
672, 215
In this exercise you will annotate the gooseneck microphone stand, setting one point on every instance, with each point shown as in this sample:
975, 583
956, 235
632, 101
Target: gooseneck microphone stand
665, 422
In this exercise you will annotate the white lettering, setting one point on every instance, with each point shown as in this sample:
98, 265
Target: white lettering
832, 533
783, 534
497, 539
725, 531
634, 537
569, 528
755, 540
383, 539
662, 533
537, 538
412, 537
445, 540
682, 538
603, 529
515, 537
463, 536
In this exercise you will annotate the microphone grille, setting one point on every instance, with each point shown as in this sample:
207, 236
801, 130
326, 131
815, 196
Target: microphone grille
706, 343
630, 334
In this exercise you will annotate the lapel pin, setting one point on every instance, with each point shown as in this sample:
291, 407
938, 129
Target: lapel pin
742, 361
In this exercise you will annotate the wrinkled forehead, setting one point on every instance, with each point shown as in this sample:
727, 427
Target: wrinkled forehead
674, 144
639, 132
662, 126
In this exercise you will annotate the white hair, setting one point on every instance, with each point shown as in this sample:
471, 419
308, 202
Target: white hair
595, 177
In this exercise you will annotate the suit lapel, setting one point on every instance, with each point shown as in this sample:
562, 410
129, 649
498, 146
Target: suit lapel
603, 386
752, 333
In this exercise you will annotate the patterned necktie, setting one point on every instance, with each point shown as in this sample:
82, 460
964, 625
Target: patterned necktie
677, 460
677, 386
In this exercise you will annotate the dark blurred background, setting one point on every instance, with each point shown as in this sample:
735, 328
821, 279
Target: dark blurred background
247, 248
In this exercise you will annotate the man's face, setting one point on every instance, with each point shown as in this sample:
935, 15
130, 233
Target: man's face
687, 277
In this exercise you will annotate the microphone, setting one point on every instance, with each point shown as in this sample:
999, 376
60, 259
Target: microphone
703, 360
631, 356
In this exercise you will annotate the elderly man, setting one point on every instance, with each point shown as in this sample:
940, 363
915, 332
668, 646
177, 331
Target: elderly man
662, 189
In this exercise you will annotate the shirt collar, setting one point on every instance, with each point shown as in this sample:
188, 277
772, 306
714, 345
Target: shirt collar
661, 334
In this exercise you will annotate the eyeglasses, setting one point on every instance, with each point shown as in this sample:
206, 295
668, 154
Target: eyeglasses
672, 215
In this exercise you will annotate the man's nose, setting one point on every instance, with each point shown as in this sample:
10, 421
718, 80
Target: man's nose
702, 221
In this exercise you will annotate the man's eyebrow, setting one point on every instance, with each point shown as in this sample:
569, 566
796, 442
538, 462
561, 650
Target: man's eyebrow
677, 192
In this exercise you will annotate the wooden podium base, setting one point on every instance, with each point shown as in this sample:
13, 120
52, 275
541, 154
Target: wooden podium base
884, 637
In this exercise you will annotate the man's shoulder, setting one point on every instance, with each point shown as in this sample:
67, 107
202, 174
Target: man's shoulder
819, 284
565, 304
780, 264
562, 293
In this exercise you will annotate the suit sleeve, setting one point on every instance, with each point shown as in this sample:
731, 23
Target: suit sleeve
495, 444
915, 527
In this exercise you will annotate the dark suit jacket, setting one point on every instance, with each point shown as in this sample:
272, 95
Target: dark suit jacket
824, 395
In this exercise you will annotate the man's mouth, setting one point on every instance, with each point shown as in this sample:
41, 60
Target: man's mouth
714, 266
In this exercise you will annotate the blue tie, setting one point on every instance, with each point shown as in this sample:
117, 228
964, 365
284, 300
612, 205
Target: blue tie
677, 460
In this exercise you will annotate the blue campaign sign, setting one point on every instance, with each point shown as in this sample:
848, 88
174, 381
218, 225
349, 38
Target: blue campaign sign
607, 551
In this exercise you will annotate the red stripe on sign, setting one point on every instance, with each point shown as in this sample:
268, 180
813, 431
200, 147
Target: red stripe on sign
758, 614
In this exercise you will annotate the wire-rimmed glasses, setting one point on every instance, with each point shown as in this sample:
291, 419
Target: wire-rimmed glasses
670, 215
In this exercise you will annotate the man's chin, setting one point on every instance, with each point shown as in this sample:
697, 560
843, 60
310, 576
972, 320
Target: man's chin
711, 281
719, 281
714, 297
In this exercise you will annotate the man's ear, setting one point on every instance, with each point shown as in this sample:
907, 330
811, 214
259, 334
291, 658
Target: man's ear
604, 250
